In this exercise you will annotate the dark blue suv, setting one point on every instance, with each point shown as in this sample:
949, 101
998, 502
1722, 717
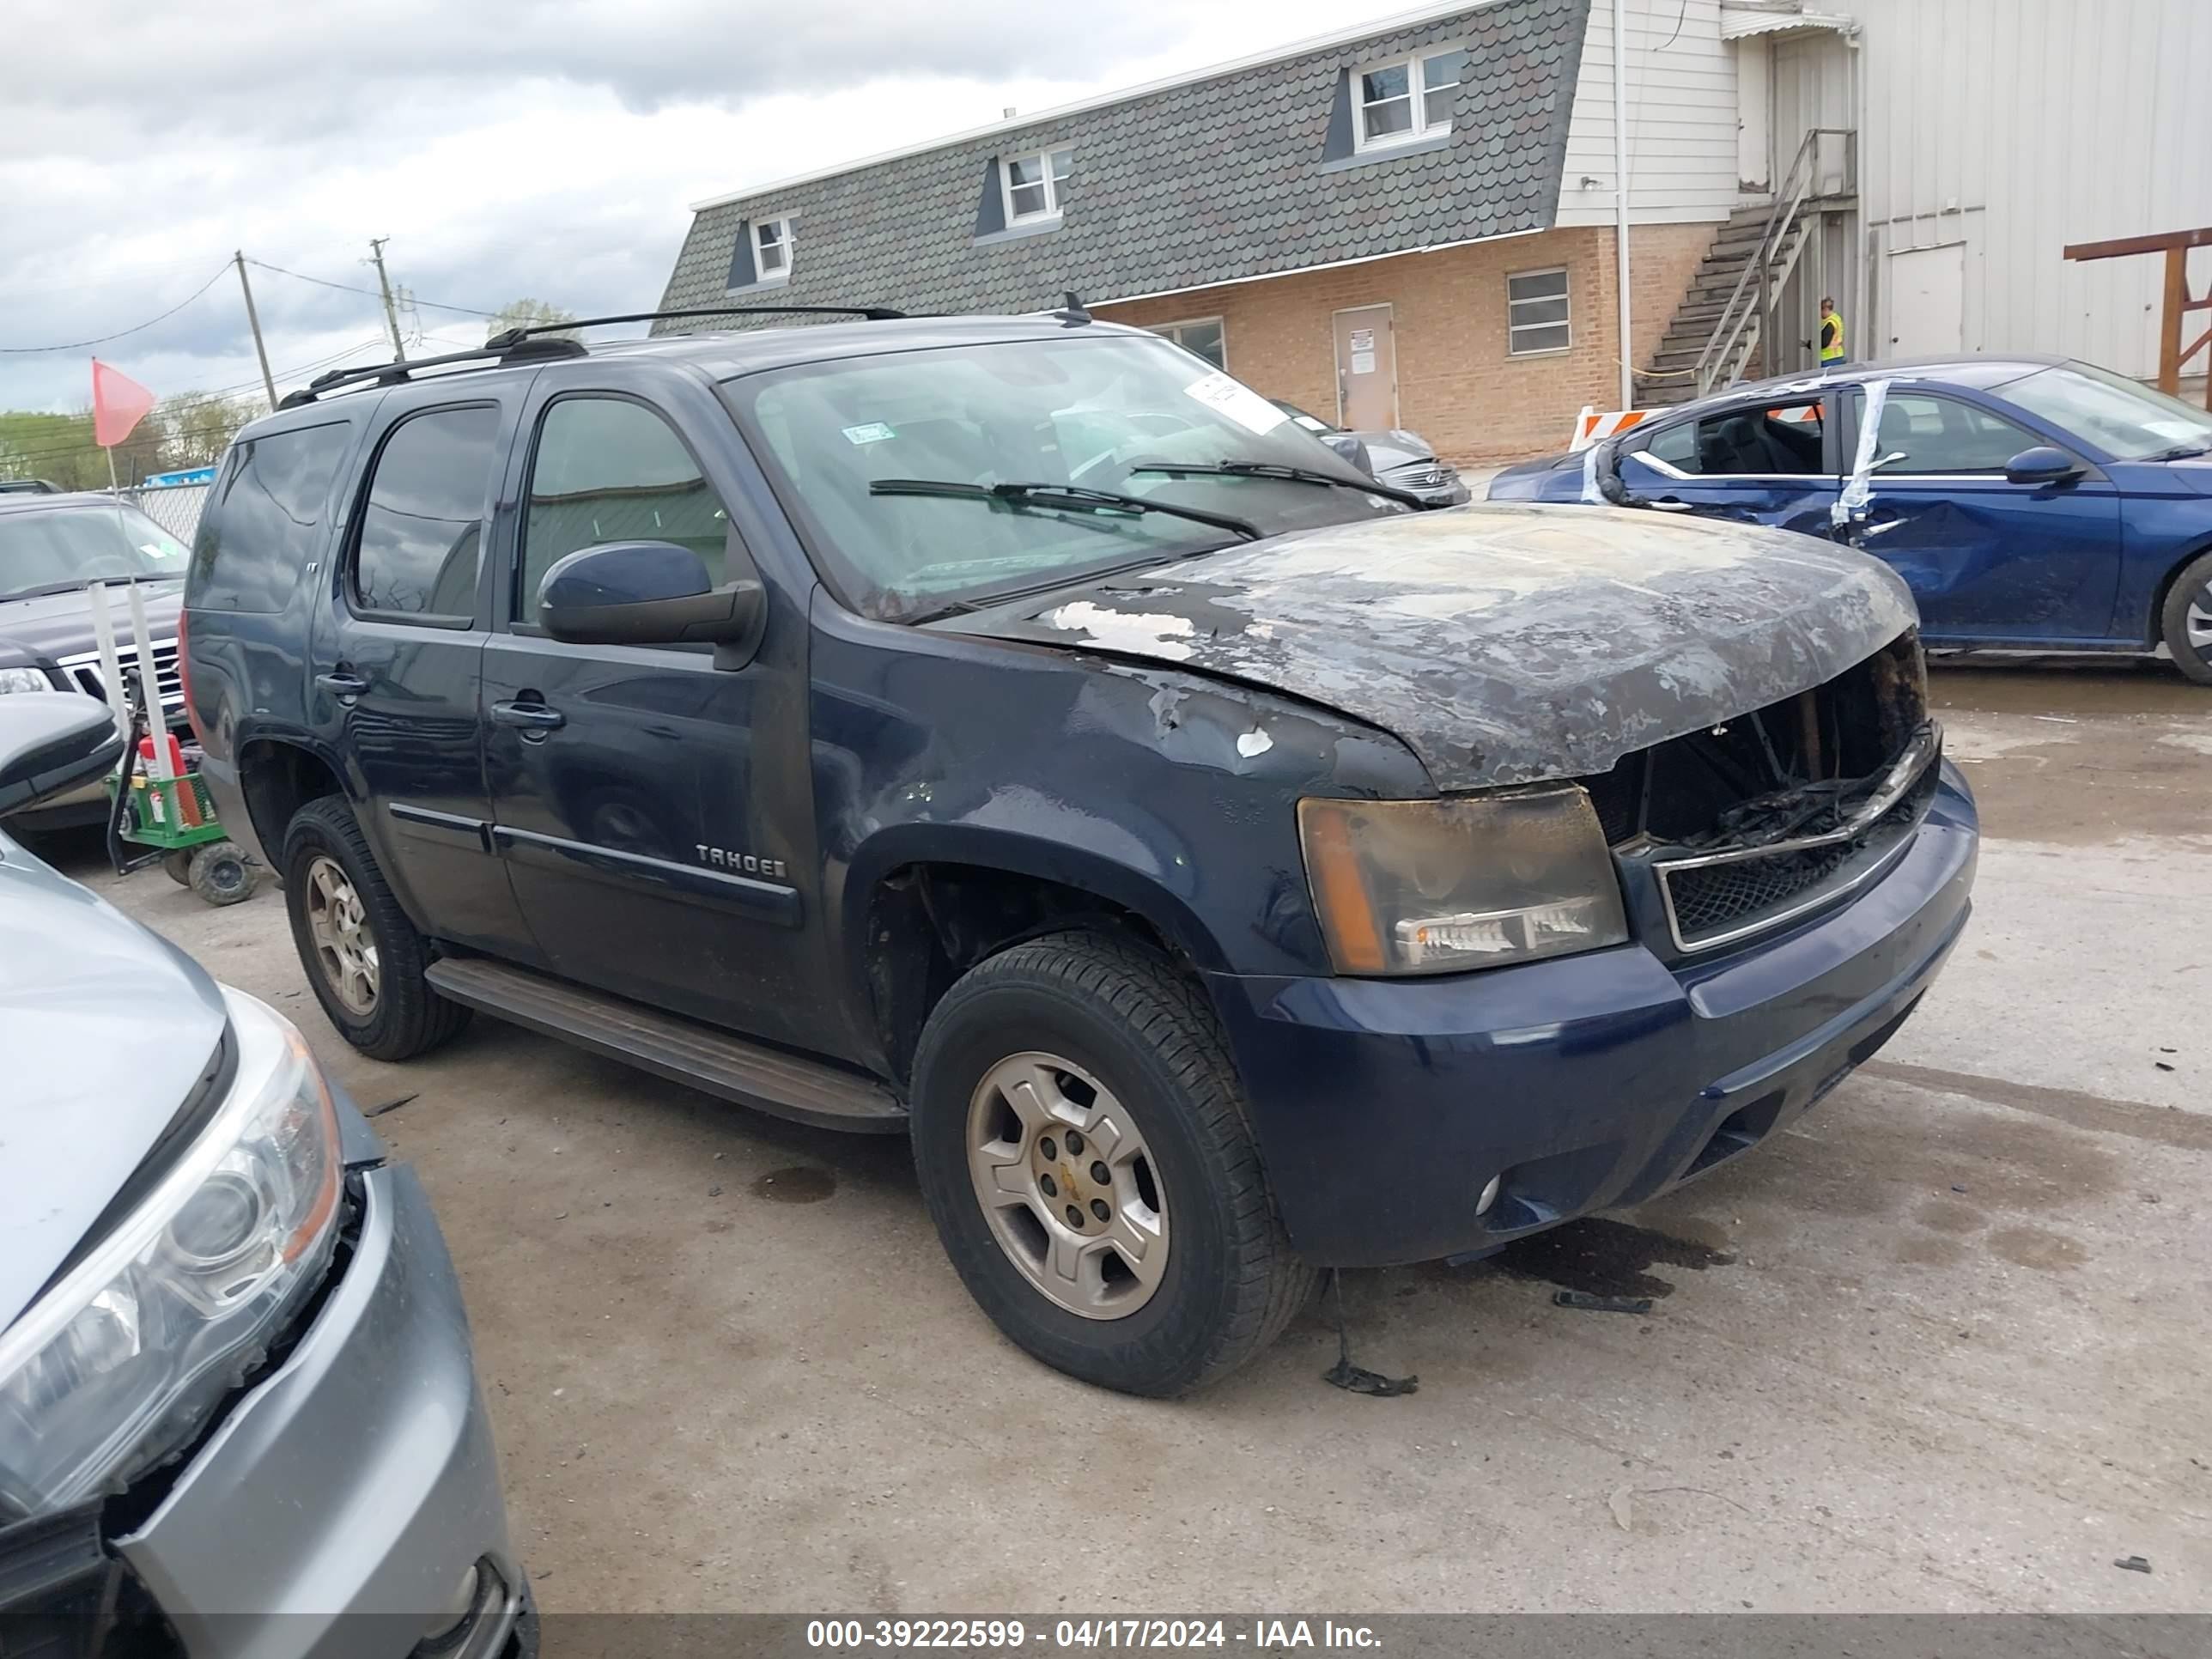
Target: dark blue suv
1014, 733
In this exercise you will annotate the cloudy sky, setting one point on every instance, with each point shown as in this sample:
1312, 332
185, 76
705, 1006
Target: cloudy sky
543, 149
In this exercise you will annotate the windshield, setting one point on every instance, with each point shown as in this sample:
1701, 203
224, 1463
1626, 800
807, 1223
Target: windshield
65, 547
2123, 417
1090, 410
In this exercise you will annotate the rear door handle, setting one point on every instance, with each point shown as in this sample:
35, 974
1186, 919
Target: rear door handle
340, 683
531, 716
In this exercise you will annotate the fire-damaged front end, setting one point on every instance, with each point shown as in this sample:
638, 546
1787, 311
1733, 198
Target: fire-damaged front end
1730, 832
1692, 853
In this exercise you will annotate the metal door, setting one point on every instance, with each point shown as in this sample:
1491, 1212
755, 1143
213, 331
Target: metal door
1927, 308
1367, 369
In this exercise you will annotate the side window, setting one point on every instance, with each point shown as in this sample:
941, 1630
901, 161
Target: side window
422, 528
1939, 434
1784, 439
259, 529
609, 471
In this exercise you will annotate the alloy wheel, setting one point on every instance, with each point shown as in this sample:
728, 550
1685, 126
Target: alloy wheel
345, 948
1068, 1186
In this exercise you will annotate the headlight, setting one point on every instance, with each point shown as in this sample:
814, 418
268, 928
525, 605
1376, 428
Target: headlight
24, 679
1442, 886
119, 1364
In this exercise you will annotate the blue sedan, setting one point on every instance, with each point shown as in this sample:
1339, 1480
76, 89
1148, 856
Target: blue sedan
2030, 503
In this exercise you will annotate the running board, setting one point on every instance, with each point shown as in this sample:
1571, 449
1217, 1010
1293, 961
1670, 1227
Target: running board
667, 1045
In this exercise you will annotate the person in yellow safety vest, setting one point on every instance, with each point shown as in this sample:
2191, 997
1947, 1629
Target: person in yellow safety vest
1832, 335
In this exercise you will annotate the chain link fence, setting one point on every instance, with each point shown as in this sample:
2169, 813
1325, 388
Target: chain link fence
175, 509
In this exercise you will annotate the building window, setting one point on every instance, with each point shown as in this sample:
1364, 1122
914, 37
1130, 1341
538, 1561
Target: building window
1203, 338
1536, 312
1408, 100
772, 250
1035, 184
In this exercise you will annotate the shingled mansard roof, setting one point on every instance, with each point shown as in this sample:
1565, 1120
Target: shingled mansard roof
1231, 174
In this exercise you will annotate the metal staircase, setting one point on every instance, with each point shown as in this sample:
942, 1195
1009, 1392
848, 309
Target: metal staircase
1715, 335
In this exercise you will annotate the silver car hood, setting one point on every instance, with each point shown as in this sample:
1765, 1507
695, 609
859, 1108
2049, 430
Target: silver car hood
1503, 644
105, 1027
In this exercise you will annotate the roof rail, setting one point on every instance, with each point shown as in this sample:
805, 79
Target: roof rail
397, 373
868, 314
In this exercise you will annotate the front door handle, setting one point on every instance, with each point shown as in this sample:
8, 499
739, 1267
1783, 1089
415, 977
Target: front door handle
530, 716
1674, 504
340, 683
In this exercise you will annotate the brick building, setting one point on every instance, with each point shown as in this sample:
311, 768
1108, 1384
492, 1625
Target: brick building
1412, 225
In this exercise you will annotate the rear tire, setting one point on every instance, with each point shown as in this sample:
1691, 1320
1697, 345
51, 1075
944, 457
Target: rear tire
178, 865
1119, 1041
2186, 621
364, 959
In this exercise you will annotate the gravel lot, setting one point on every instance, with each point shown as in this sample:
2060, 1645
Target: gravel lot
1943, 1346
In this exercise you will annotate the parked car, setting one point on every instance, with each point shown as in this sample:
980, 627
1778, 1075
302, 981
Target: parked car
28, 487
50, 546
237, 1404
1220, 871
1397, 457
2029, 502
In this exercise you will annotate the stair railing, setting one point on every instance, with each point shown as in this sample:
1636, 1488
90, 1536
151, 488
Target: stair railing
1742, 318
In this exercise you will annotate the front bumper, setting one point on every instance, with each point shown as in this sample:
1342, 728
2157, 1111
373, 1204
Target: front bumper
341, 1500
1384, 1107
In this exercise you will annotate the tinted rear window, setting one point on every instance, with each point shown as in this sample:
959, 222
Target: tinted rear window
264, 522
421, 530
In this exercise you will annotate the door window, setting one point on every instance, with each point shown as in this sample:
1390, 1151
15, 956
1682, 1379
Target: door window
1784, 440
421, 530
607, 469
1936, 434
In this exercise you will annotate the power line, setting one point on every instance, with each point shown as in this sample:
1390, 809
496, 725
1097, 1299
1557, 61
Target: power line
369, 292
79, 345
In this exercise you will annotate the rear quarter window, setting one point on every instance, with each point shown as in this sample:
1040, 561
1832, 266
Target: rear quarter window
263, 521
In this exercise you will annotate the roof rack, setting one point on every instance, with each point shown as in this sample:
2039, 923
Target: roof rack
521, 344
398, 373
869, 314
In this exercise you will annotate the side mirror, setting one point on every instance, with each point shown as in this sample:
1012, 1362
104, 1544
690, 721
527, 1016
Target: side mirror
647, 593
51, 741
2043, 463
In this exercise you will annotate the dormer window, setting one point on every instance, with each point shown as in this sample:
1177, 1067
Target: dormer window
1035, 183
1409, 99
772, 250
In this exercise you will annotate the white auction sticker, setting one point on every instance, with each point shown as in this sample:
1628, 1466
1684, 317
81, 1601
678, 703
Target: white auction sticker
873, 432
1239, 402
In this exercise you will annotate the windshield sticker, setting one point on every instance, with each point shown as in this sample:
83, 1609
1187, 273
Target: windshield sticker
1239, 402
874, 432
152, 551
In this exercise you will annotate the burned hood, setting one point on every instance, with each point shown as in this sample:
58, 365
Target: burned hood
1503, 644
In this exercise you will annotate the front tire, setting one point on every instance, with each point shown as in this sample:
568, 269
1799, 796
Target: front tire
363, 958
2186, 621
1080, 1138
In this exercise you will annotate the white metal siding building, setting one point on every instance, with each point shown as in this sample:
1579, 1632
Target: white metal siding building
1995, 132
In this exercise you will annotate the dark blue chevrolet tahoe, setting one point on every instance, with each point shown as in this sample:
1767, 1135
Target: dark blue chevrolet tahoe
1014, 734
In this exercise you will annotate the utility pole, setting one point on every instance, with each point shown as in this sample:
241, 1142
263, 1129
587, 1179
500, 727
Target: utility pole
253, 322
391, 313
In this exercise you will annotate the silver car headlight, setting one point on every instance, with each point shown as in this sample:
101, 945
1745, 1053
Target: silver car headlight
1476, 881
121, 1362
24, 679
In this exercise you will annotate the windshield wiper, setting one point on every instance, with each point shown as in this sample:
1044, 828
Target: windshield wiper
987, 598
2180, 452
47, 590
1059, 498
1277, 469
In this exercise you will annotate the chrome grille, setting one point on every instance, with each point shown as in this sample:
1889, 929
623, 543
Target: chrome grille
83, 669
1416, 475
1716, 899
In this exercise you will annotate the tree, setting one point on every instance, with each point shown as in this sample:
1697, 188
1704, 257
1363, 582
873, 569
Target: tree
199, 426
529, 313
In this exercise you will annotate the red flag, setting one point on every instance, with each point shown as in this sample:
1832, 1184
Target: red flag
119, 404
